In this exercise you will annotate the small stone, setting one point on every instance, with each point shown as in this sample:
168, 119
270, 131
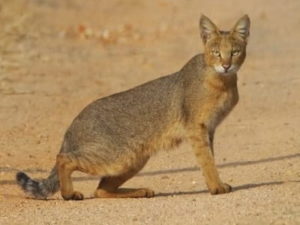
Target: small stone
88, 33
106, 34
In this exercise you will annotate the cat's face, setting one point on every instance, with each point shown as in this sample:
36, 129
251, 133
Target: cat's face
225, 51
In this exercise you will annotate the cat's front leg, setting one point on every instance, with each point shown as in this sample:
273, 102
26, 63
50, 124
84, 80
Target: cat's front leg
201, 142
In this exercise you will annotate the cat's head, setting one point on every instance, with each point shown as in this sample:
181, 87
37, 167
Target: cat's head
225, 51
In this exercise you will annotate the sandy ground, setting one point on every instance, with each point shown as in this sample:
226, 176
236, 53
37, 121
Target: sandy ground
59, 55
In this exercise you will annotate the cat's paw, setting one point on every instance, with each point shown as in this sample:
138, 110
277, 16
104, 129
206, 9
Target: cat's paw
74, 196
221, 189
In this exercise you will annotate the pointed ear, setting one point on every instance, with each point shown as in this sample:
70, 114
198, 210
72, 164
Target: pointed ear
207, 28
242, 27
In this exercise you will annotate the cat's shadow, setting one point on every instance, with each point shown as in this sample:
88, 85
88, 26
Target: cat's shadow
234, 189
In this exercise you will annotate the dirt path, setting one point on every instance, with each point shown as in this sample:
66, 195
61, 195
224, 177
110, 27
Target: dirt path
57, 56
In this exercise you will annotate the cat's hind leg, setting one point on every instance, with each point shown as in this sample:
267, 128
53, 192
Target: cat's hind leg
66, 165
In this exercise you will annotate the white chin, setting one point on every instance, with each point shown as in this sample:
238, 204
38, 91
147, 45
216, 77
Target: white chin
219, 69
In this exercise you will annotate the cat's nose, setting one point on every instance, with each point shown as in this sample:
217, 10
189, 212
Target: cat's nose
226, 66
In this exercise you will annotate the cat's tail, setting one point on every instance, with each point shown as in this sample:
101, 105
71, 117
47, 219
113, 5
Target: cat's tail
39, 189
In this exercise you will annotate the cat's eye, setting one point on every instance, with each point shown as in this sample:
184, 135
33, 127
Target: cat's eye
235, 52
216, 53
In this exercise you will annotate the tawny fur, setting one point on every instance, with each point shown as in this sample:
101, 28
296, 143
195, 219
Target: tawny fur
115, 136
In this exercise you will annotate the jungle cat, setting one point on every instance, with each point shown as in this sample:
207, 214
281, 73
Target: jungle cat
114, 136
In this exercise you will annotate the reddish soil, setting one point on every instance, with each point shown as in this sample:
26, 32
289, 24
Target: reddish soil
58, 55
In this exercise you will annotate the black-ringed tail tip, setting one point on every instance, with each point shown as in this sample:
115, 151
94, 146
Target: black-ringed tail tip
39, 189
22, 179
